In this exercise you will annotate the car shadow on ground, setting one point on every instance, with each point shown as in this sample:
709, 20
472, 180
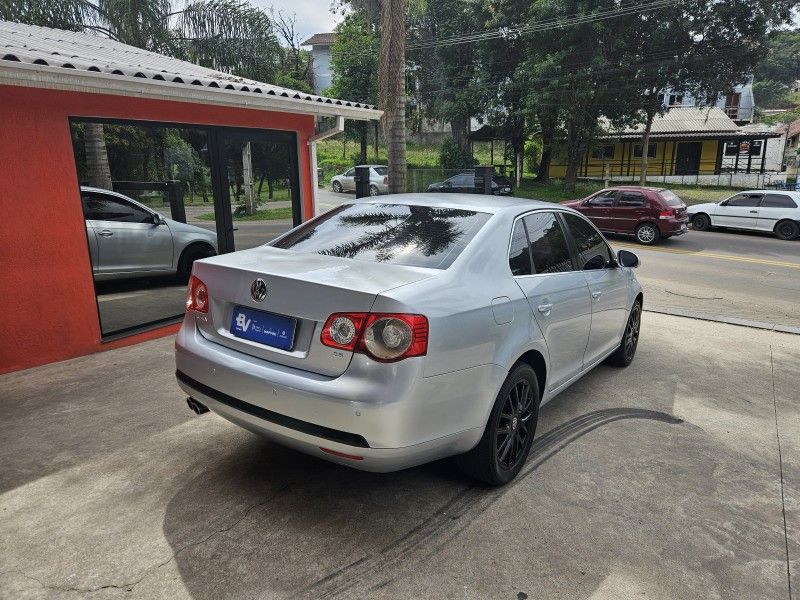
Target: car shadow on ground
299, 524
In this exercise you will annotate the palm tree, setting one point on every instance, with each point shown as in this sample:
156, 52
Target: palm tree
98, 171
392, 89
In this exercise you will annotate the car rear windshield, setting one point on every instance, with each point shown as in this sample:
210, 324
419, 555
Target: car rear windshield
383, 171
670, 198
418, 236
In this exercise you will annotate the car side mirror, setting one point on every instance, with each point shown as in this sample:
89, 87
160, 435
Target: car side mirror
724, 203
626, 258
158, 219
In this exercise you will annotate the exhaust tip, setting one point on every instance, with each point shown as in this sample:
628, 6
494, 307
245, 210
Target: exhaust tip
198, 407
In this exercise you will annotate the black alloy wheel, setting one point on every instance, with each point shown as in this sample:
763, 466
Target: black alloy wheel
514, 428
623, 355
507, 438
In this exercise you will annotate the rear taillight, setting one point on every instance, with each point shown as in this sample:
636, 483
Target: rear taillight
386, 337
197, 295
666, 214
385, 181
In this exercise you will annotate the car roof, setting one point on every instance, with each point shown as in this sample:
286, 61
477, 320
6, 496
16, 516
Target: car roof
791, 193
635, 187
476, 202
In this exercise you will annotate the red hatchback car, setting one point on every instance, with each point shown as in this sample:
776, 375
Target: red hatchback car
649, 214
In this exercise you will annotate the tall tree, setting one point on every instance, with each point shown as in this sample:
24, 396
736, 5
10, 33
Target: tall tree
354, 64
451, 86
392, 89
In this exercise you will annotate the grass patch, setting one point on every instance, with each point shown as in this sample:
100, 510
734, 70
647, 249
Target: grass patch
274, 214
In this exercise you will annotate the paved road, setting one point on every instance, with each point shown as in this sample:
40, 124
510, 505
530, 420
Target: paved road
733, 274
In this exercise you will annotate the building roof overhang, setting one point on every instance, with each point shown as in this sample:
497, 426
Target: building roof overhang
41, 57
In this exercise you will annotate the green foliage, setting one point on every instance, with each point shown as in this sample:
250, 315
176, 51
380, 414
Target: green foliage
781, 62
453, 157
532, 154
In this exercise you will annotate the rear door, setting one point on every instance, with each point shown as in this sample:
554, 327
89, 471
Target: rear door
628, 211
127, 239
598, 209
741, 211
558, 295
349, 180
774, 207
608, 287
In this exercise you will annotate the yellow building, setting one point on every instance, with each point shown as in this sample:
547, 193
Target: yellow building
684, 141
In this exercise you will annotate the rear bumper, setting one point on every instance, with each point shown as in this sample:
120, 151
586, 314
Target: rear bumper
387, 415
673, 226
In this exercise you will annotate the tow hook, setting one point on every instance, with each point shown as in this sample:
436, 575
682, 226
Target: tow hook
197, 407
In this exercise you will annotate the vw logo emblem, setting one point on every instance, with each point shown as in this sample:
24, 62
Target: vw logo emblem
258, 290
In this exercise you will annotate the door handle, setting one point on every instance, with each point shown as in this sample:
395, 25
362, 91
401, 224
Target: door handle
106, 233
597, 294
544, 308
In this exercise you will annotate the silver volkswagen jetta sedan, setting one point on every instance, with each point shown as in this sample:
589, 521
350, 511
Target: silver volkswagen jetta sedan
391, 332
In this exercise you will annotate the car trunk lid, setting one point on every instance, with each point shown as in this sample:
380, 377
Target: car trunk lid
305, 287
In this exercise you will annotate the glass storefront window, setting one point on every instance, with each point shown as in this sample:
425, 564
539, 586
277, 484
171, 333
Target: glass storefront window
152, 196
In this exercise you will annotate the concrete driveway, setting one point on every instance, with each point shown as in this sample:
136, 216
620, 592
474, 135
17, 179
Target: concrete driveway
663, 480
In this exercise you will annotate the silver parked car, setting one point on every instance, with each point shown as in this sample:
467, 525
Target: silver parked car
378, 180
388, 333
758, 210
128, 239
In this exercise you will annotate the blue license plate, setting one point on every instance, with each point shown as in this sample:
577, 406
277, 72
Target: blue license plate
263, 327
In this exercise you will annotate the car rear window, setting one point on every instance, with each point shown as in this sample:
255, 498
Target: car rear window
670, 198
382, 171
418, 236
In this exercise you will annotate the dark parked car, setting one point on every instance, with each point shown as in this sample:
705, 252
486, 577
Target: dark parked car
649, 214
464, 183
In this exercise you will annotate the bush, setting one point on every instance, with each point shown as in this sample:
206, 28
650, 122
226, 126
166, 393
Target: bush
532, 155
452, 157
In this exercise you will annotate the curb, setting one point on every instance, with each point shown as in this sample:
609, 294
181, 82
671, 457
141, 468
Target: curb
701, 316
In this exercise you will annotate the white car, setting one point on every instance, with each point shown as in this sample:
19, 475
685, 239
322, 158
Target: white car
758, 210
378, 180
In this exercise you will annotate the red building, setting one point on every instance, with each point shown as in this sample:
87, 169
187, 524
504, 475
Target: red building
186, 154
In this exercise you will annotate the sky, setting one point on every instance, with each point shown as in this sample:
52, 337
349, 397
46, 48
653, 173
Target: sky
313, 16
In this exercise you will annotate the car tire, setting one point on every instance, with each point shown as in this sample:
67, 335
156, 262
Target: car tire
373, 190
336, 187
787, 230
701, 222
647, 234
188, 256
623, 355
500, 455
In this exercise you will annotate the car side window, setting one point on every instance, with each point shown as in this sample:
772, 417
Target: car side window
463, 180
631, 199
548, 244
603, 199
778, 201
592, 248
519, 257
744, 200
100, 207
349, 173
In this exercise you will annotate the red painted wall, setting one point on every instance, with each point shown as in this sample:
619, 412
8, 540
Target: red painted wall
47, 302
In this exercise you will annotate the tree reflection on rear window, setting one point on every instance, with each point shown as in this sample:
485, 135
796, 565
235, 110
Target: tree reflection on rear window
418, 236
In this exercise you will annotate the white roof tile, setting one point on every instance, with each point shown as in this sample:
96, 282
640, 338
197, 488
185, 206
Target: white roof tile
87, 53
